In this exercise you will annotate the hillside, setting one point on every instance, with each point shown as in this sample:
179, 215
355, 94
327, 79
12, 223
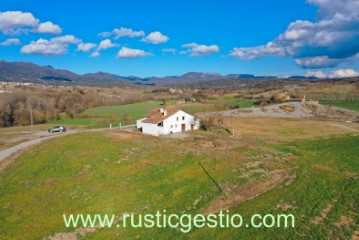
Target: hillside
30, 72
267, 170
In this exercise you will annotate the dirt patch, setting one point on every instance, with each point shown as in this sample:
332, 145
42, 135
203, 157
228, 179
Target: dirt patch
250, 173
352, 175
285, 206
219, 144
50, 181
123, 135
323, 168
206, 144
345, 221
247, 191
317, 220
297, 110
222, 144
355, 235
287, 108
80, 232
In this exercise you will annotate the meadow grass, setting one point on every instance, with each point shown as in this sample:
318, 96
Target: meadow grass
351, 105
117, 172
100, 117
232, 101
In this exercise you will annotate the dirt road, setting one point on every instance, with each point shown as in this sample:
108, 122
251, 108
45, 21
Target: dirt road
44, 136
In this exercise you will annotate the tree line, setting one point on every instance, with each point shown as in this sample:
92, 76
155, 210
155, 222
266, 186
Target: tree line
20, 108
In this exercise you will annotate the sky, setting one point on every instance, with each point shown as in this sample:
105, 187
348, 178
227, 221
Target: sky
164, 38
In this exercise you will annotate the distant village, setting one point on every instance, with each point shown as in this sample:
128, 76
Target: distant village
14, 84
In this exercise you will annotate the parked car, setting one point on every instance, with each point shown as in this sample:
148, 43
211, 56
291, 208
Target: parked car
57, 129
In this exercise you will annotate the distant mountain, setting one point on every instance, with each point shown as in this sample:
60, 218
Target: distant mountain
99, 77
29, 72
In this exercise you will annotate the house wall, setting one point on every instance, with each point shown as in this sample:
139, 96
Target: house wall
177, 124
139, 122
171, 124
152, 129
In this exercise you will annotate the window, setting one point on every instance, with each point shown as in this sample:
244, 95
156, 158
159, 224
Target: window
171, 126
176, 125
176, 118
183, 118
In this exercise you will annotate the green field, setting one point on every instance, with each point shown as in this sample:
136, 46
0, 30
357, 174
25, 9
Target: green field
100, 117
118, 172
232, 101
351, 105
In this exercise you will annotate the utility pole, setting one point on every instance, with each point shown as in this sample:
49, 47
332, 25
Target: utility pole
31, 118
232, 130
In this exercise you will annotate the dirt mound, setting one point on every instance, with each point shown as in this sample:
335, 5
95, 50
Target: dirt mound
297, 110
247, 191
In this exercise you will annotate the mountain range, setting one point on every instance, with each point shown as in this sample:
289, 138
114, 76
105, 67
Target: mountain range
30, 72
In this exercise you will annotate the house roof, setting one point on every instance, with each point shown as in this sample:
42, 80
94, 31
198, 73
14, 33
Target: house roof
156, 116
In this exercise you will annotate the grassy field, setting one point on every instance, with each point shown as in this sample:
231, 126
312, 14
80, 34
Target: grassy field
352, 105
99, 117
102, 116
232, 101
310, 174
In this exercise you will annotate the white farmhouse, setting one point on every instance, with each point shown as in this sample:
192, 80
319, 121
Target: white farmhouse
166, 121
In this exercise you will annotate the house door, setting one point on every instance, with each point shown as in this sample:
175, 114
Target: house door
183, 127
192, 126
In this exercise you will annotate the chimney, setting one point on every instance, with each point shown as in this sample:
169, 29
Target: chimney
161, 110
165, 113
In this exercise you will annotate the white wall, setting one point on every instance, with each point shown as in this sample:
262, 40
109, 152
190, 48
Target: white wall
139, 122
177, 125
153, 129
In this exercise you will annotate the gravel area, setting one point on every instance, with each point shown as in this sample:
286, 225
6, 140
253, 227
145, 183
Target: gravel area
297, 110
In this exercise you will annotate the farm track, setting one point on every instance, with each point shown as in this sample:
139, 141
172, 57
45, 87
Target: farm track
44, 136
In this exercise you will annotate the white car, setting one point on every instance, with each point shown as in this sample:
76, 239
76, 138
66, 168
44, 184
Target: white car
57, 129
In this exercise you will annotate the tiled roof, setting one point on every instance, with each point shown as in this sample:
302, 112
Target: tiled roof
156, 116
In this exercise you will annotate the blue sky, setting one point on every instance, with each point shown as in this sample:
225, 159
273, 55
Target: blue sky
158, 38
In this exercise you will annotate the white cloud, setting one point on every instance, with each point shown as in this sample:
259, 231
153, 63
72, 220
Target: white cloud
127, 32
85, 47
16, 22
338, 73
253, 52
200, 49
48, 27
331, 40
105, 44
122, 32
67, 39
169, 50
342, 73
94, 55
13, 22
155, 38
317, 74
10, 41
44, 47
132, 53
317, 62
53, 47
104, 34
